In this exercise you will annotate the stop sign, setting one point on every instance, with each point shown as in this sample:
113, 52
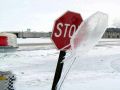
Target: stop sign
64, 28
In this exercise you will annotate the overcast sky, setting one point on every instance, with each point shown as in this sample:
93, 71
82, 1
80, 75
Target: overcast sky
39, 15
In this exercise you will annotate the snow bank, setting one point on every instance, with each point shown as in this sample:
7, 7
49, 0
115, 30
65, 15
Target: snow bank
33, 40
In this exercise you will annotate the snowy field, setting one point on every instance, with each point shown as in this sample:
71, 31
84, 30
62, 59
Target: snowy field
35, 68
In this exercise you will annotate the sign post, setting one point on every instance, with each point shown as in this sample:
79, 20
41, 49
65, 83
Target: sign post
58, 69
64, 28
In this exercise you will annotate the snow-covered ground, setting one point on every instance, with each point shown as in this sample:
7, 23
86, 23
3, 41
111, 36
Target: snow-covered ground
35, 68
33, 40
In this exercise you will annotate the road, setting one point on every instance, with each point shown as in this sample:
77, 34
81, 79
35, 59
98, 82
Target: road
39, 46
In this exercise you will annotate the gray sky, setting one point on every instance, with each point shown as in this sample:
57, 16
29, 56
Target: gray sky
39, 15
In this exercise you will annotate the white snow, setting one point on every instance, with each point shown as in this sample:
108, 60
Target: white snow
34, 69
33, 40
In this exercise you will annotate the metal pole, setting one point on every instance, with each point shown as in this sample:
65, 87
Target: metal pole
58, 69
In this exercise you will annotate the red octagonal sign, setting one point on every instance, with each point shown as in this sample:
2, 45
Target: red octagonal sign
64, 28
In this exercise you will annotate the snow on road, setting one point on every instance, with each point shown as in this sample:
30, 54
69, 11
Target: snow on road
33, 40
34, 69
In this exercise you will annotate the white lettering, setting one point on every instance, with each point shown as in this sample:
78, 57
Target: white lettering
72, 30
60, 27
59, 33
66, 28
